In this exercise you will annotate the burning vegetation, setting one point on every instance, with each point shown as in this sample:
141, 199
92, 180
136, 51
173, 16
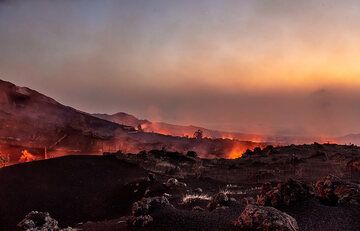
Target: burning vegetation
26, 157
237, 151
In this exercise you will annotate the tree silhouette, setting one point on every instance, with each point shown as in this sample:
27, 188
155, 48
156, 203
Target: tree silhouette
198, 134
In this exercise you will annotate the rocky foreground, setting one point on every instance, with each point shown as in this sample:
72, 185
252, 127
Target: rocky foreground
307, 187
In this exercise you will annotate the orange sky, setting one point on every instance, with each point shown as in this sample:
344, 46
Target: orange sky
183, 56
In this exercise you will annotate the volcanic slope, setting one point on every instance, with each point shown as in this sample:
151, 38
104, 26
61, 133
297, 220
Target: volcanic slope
30, 119
99, 191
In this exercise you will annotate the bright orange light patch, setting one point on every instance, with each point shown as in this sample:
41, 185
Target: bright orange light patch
237, 151
26, 157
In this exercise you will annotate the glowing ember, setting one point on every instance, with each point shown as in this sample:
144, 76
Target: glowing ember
26, 157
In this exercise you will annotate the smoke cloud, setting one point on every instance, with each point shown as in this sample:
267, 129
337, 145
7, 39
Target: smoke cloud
263, 66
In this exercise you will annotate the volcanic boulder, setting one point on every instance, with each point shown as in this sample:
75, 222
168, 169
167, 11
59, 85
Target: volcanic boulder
142, 209
174, 183
152, 177
218, 201
283, 194
270, 150
354, 165
39, 221
265, 218
140, 221
148, 205
331, 190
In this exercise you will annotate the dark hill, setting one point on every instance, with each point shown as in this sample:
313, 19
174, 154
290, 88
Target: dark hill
122, 118
32, 120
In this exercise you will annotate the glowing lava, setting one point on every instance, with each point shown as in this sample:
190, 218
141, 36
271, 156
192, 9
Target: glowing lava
26, 157
237, 151
251, 138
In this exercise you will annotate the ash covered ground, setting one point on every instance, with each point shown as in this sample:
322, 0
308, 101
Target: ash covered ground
304, 187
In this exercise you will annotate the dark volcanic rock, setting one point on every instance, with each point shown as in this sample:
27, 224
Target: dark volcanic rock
142, 209
332, 190
219, 200
283, 194
198, 190
147, 205
140, 221
39, 221
156, 189
265, 218
173, 182
152, 177
270, 150
319, 155
354, 165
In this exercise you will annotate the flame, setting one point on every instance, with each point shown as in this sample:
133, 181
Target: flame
26, 157
237, 151
251, 138
154, 127
227, 136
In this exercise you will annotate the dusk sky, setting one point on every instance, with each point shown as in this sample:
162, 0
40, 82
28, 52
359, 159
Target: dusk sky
261, 66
